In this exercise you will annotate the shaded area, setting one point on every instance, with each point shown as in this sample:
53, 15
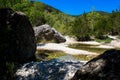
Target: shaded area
62, 68
17, 41
103, 67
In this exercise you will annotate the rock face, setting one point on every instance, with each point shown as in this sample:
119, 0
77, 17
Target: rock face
104, 67
17, 40
45, 31
56, 69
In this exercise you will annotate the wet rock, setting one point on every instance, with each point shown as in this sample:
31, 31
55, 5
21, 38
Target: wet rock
104, 67
48, 33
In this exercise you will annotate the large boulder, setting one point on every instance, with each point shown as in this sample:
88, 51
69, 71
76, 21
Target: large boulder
63, 68
17, 40
104, 67
48, 33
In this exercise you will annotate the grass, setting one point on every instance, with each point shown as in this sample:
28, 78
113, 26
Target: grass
107, 40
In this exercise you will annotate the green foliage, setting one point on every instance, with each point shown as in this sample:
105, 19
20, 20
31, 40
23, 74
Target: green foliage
92, 18
114, 22
97, 24
10, 3
80, 27
94, 23
107, 40
40, 13
101, 27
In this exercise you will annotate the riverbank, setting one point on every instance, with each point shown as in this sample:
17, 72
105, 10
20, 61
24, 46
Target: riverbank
64, 46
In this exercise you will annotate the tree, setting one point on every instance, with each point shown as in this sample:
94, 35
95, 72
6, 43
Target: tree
114, 21
10, 3
81, 29
93, 17
101, 28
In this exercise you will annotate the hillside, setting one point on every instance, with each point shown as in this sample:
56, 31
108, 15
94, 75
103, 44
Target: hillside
40, 13
94, 23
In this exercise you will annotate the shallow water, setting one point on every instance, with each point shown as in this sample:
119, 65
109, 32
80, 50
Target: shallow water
91, 48
49, 54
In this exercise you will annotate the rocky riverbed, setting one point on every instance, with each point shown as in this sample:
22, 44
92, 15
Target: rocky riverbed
62, 68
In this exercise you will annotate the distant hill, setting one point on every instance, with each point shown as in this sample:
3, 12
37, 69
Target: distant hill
103, 12
40, 13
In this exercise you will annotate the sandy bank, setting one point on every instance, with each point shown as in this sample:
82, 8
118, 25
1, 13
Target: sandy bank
61, 47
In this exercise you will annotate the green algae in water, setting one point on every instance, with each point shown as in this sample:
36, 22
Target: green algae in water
91, 48
48, 54
44, 55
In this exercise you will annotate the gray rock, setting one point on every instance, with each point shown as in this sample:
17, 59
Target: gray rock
17, 40
48, 33
104, 67
56, 69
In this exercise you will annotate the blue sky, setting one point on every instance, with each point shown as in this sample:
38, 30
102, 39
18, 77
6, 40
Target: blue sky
77, 7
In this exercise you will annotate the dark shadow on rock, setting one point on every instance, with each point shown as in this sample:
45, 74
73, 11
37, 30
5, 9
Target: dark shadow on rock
48, 70
17, 39
104, 67
39, 44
